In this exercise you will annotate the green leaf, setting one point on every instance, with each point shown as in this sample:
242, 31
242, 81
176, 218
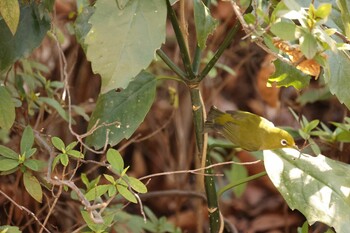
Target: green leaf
308, 45
75, 154
112, 190
56, 105
137, 185
96, 192
128, 107
29, 153
313, 95
71, 146
9, 11
34, 164
205, 24
286, 75
116, 160
32, 186
236, 173
109, 178
58, 143
98, 227
82, 26
64, 159
324, 10
123, 42
337, 76
7, 108
9, 229
27, 140
284, 30
31, 164
317, 186
311, 125
345, 15
8, 153
122, 3
124, 191
30, 32
8, 164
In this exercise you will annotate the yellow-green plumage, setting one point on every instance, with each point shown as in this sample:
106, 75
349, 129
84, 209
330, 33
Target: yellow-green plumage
248, 131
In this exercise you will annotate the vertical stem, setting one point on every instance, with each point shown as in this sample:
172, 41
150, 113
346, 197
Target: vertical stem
180, 40
215, 222
198, 118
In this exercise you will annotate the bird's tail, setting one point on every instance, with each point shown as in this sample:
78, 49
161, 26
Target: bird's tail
213, 114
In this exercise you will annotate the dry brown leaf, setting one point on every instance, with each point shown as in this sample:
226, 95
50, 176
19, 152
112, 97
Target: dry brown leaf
308, 66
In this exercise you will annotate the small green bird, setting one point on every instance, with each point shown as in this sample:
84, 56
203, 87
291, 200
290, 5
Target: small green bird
248, 131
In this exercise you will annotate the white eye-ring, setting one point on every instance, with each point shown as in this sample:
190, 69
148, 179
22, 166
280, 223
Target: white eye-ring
284, 142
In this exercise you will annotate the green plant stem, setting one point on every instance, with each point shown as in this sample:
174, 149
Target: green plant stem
181, 42
198, 118
171, 64
239, 182
212, 199
198, 51
227, 41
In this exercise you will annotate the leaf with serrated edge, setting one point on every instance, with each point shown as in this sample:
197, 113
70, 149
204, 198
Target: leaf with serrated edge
123, 42
317, 186
32, 186
127, 108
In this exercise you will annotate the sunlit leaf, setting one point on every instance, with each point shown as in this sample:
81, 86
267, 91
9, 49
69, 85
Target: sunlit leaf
284, 30
32, 186
126, 109
123, 42
337, 76
317, 186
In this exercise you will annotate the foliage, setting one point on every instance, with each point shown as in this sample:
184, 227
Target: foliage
120, 39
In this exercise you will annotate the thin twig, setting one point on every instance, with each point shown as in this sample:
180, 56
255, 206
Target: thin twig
196, 171
25, 209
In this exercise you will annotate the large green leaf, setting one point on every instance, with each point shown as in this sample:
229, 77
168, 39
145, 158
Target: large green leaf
123, 42
337, 76
317, 186
128, 107
30, 32
9, 10
287, 75
205, 24
7, 108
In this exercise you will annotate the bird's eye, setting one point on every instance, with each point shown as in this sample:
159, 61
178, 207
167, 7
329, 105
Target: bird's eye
283, 142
